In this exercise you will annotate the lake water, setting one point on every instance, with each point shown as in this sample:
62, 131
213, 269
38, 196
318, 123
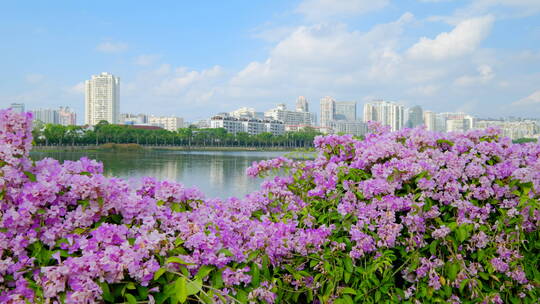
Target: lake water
216, 173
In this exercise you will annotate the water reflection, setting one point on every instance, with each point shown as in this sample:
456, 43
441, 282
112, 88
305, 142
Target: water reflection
216, 173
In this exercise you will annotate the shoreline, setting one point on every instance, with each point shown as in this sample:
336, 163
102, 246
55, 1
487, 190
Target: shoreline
167, 148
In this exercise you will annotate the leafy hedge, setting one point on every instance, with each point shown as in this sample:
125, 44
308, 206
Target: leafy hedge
410, 216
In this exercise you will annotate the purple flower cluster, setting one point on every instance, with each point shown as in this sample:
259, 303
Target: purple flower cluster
458, 210
68, 228
468, 193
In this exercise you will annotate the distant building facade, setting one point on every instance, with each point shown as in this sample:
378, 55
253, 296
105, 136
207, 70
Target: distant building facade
171, 123
345, 110
66, 117
46, 116
251, 126
430, 120
17, 107
133, 119
102, 99
328, 111
512, 129
354, 127
245, 112
289, 117
302, 104
415, 117
387, 113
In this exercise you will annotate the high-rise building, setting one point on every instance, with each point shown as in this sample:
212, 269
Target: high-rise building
415, 117
102, 99
302, 104
430, 120
17, 107
46, 116
345, 110
66, 117
328, 111
387, 113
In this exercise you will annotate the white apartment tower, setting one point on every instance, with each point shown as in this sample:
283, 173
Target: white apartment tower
102, 99
387, 113
328, 111
302, 104
430, 120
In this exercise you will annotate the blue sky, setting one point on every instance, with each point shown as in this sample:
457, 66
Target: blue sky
196, 58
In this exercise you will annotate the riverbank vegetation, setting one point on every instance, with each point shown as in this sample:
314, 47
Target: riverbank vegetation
399, 217
104, 133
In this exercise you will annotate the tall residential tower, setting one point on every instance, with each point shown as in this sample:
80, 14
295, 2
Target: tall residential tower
387, 113
102, 99
328, 111
302, 104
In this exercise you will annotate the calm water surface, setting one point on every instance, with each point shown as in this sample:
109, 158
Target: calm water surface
216, 173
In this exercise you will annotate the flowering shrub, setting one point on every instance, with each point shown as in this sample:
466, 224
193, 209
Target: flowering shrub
410, 216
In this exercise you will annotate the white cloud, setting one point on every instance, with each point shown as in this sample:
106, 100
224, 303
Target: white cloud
323, 9
500, 9
485, 74
519, 8
533, 99
112, 47
77, 88
146, 59
463, 39
184, 79
426, 90
273, 34
327, 55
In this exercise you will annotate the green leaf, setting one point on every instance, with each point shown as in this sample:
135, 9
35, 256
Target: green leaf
347, 299
130, 298
177, 260
241, 296
79, 230
107, 296
159, 273
181, 289
193, 287
348, 290
31, 176
463, 284
85, 203
349, 267
255, 275
226, 252
204, 271
462, 233
452, 271
433, 247
217, 280
178, 242
130, 285
445, 141
347, 277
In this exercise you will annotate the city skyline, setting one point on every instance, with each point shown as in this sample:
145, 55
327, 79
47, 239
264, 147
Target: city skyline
480, 57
